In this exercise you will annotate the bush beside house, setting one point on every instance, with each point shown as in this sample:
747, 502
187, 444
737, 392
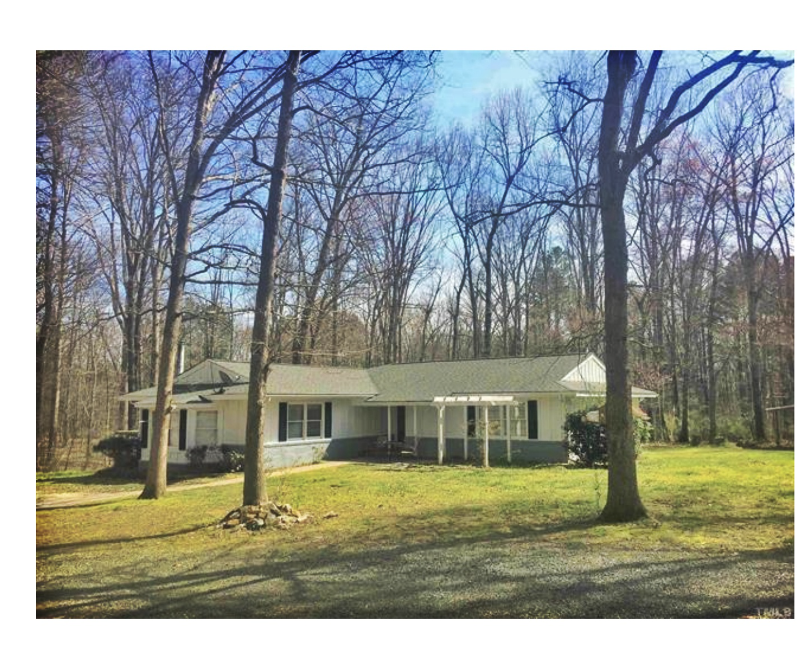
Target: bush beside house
220, 459
123, 448
587, 440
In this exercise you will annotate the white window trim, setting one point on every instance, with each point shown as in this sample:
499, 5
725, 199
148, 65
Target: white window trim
501, 434
305, 437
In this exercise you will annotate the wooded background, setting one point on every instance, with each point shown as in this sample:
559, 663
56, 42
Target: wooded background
403, 240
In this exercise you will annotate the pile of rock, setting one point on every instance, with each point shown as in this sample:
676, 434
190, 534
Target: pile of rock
252, 517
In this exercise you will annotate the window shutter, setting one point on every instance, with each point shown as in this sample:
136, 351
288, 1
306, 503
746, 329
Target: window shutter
182, 430
328, 419
145, 428
533, 420
282, 421
471, 421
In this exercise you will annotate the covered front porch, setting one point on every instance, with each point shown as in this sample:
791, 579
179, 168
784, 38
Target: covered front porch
459, 427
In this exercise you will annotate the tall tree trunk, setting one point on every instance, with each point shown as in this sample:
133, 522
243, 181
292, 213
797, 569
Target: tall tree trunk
711, 368
623, 502
454, 346
683, 434
50, 323
756, 371
300, 343
156, 482
476, 326
487, 314
254, 489
712, 387
92, 404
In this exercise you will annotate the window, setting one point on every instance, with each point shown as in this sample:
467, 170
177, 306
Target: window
206, 428
518, 421
314, 420
304, 421
497, 421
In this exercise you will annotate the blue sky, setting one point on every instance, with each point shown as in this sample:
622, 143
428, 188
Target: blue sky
469, 77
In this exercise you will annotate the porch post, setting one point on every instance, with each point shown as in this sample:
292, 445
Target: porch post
389, 422
466, 432
486, 437
508, 434
415, 424
441, 435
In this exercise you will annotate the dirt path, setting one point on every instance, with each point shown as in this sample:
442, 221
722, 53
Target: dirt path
57, 500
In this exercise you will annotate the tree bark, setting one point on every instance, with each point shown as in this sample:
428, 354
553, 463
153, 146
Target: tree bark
156, 482
254, 492
623, 502
756, 366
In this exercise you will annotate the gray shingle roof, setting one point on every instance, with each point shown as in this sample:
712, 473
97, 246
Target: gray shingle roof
519, 375
291, 379
284, 379
396, 383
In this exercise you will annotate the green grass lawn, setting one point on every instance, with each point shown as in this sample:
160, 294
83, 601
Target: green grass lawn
441, 541
87, 481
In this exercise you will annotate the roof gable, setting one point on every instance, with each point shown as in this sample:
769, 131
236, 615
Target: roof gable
215, 372
591, 370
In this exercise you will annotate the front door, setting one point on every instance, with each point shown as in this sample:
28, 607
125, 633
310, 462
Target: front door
401, 424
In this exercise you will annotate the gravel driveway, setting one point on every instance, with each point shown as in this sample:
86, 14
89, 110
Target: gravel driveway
514, 577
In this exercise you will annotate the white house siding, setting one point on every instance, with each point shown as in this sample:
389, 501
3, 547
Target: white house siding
351, 420
231, 421
352, 428
174, 455
590, 370
353, 424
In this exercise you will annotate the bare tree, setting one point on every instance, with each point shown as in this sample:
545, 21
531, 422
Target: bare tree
130, 203
344, 151
60, 154
254, 491
758, 142
619, 153
212, 123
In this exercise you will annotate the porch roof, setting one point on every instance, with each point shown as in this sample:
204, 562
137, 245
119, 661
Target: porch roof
475, 400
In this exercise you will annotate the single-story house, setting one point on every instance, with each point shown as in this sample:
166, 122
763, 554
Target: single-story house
447, 409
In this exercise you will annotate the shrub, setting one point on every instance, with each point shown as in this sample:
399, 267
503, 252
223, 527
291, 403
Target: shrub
734, 429
224, 459
587, 442
123, 448
197, 456
642, 433
232, 460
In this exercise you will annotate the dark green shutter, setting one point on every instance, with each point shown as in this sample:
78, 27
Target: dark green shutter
328, 419
145, 427
182, 430
533, 420
282, 418
471, 421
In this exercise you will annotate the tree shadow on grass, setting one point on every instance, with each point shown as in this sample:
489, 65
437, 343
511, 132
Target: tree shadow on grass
515, 572
454, 580
115, 477
77, 546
